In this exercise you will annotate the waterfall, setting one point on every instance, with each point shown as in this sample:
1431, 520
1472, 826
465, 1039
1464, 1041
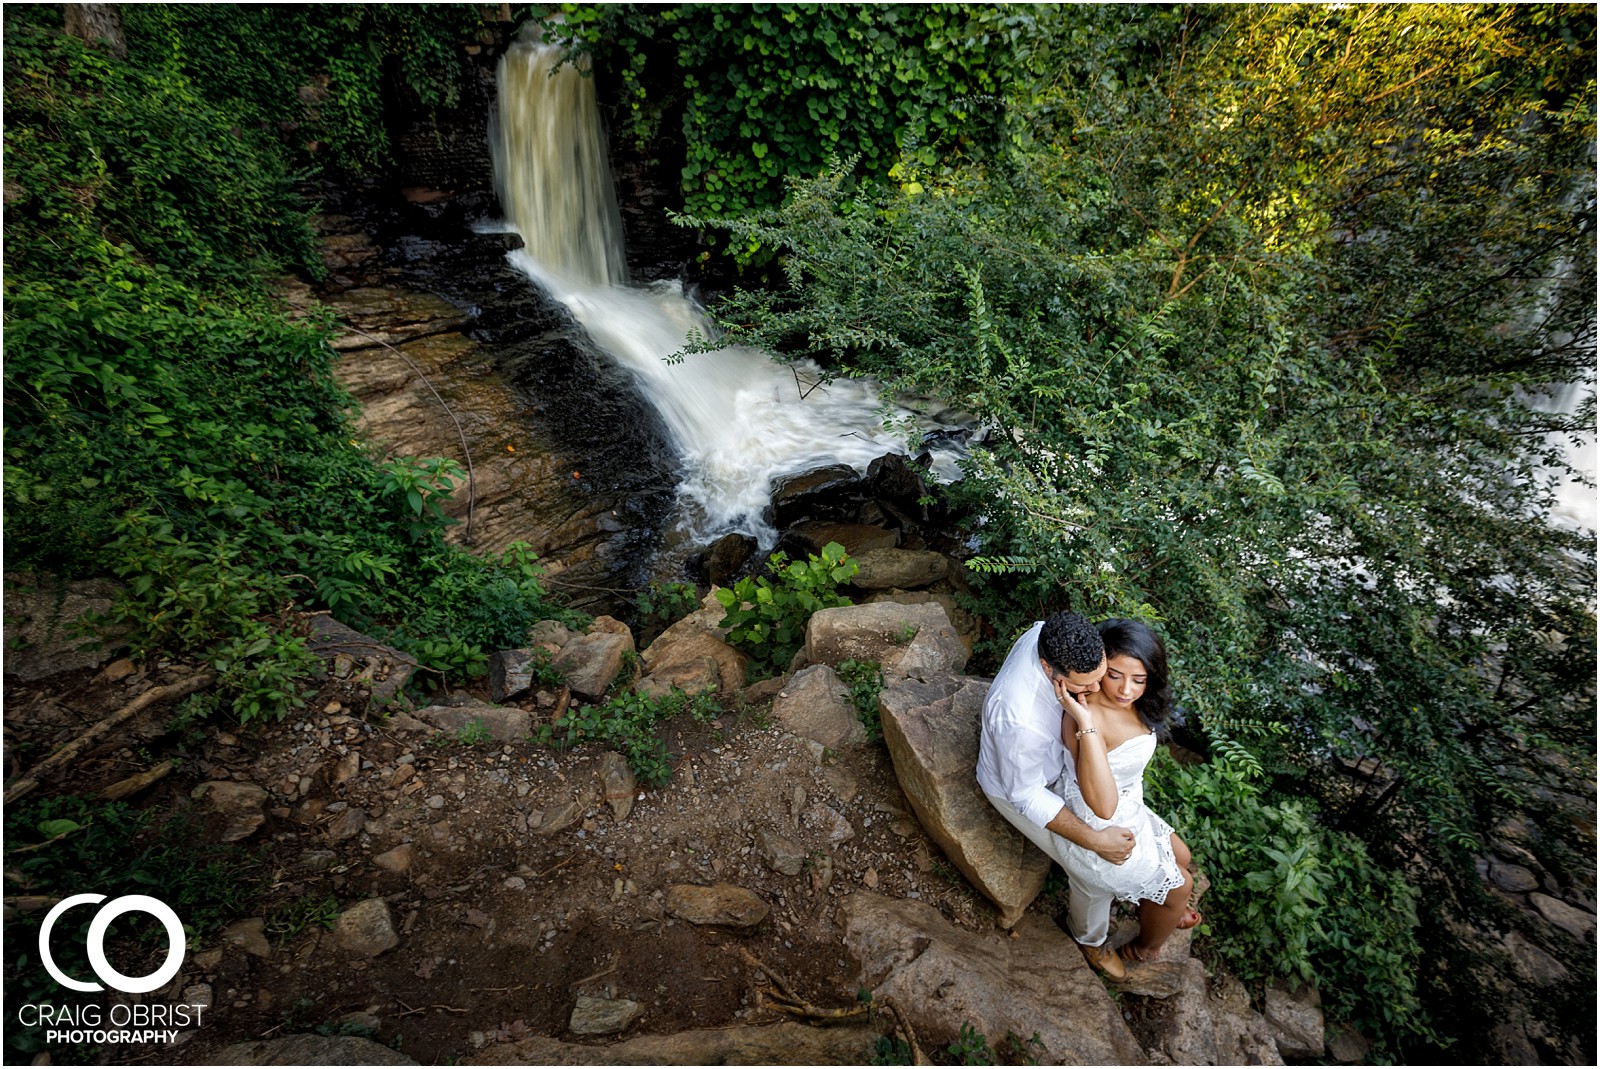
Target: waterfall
737, 419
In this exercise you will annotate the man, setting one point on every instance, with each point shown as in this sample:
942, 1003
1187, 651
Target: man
1020, 753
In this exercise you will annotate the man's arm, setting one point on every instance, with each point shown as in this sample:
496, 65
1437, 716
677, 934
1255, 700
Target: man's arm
1114, 844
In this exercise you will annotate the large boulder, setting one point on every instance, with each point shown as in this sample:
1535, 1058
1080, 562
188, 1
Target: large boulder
591, 662
503, 724
804, 539
905, 569
831, 492
905, 640
931, 729
941, 976
693, 662
816, 704
41, 617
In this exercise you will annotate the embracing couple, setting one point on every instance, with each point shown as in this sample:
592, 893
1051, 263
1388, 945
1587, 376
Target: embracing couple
1068, 727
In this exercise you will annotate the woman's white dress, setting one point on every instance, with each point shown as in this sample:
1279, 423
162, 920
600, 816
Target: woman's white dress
1152, 870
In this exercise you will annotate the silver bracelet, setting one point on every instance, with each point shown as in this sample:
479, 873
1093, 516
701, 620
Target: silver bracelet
1088, 731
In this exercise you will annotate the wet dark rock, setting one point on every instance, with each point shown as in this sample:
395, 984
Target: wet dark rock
891, 478
726, 559
833, 492
808, 537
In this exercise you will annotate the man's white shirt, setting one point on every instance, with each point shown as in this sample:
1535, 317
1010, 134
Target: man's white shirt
1020, 753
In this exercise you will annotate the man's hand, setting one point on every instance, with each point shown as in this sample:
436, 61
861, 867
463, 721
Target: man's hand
1114, 844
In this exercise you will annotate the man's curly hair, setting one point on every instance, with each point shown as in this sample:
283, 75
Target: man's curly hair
1069, 643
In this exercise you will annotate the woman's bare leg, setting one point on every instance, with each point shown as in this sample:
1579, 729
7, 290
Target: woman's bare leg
1158, 920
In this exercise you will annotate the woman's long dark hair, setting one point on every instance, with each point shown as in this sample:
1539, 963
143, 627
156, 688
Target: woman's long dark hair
1132, 639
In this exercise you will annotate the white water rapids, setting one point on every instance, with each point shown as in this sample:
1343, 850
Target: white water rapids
736, 418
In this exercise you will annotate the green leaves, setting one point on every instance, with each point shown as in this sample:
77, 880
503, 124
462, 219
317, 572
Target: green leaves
767, 620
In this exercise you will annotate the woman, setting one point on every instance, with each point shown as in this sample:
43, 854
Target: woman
1111, 735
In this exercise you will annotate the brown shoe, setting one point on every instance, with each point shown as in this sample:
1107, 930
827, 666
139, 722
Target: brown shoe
1103, 960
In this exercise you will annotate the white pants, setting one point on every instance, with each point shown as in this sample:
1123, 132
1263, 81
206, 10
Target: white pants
1088, 906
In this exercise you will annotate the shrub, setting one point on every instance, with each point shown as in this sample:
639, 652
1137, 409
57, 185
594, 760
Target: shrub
767, 620
1292, 898
628, 722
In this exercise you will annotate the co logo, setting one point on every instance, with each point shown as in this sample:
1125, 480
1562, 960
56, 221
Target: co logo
132, 985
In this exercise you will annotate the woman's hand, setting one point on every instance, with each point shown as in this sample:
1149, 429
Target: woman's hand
1074, 705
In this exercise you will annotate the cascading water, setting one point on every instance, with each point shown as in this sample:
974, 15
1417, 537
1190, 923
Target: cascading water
737, 419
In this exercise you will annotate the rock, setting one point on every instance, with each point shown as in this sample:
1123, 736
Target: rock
366, 929
347, 824
1296, 1018
908, 569
561, 817
384, 669
815, 704
398, 721
116, 671
693, 662
892, 478
243, 805
781, 854
1569, 919
831, 491
786, 1043
549, 633
804, 539
318, 860
610, 625
310, 1050
40, 612
931, 730
591, 662
940, 976
346, 768
503, 723
602, 1016
1187, 1032
831, 822
904, 639
514, 673
1530, 962
723, 904
1346, 1046
727, 557
1243, 1036
617, 784
1512, 878
250, 936
396, 860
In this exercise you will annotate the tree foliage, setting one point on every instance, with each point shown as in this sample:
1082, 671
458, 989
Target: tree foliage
1260, 306
760, 91
166, 422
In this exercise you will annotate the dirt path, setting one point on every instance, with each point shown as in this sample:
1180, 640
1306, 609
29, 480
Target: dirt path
521, 890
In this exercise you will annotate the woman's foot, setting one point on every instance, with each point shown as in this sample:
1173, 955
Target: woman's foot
1103, 960
1191, 918
1137, 955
